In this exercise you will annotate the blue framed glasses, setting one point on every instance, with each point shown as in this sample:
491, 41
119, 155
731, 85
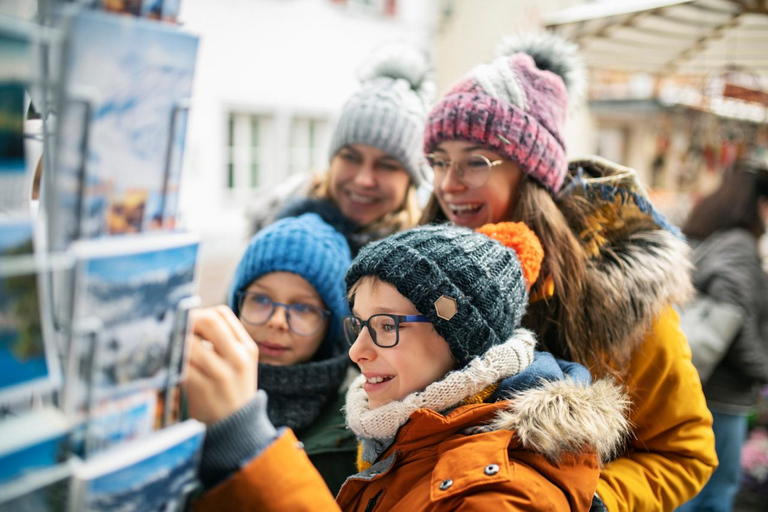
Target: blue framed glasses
383, 328
303, 319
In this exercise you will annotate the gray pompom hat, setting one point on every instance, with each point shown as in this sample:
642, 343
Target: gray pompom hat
470, 286
390, 109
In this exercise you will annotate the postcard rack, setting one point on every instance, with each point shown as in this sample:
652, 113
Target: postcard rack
90, 332
72, 429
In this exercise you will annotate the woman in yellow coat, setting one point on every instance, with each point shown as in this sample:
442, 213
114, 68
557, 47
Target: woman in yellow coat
613, 265
454, 409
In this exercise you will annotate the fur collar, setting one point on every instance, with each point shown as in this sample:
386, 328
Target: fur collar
564, 416
638, 262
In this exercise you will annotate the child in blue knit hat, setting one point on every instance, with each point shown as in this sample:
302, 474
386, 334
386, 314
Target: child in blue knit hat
454, 409
289, 294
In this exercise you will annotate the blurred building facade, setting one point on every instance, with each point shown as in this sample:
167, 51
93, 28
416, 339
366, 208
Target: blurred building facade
272, 76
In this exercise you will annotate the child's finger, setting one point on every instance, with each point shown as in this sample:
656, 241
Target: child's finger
212, 326
206, 361
234, 323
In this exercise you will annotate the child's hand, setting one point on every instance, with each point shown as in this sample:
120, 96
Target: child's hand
223, 365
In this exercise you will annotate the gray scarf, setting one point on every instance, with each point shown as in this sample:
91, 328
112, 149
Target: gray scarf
297, 393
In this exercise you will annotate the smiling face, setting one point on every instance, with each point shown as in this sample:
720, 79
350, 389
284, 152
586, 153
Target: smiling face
367, 183
420, 358
474, 207
278, 344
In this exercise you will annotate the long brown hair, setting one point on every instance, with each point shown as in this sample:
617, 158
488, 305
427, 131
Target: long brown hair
405, 217
733, 205
559, 320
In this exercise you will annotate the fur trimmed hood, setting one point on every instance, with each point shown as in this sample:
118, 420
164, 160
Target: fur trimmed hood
638, 262
566, 416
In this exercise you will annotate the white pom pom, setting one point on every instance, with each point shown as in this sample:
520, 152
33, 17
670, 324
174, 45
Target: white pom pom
552, 53
401, 61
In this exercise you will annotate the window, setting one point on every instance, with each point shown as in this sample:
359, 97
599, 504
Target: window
246, 145
308, 149
379, 7
266, 148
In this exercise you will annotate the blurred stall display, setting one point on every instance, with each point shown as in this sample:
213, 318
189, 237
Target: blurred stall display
679, 88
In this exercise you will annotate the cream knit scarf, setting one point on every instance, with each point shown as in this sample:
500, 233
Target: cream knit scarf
499, 362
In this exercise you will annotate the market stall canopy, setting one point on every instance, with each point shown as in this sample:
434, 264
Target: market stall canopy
667, 37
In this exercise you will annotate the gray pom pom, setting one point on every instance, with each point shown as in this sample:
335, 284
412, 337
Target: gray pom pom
401, 61
552, 53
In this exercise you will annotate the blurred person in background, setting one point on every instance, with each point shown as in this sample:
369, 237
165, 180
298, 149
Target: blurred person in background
369, 189
730, 222
612, 267
290, 297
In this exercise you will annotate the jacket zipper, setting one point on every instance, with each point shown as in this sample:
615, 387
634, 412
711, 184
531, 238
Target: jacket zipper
372, 501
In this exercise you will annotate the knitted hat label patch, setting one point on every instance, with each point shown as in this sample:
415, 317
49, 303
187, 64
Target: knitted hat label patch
446, 307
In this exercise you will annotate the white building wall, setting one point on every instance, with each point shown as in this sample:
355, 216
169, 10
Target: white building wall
280, 58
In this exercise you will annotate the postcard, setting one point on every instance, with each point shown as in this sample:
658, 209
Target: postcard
127, 79
155, 473
15, 73
28, 362
31, 441
133, 7
46, 490
115, 420
171, 10
130, 289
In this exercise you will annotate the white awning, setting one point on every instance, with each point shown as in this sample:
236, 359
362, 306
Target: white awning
667, 37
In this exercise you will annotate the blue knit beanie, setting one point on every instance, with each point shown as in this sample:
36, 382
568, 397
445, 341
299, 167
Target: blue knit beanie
470, 286
308, 247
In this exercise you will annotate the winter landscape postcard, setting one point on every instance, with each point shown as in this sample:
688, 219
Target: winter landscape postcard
133, 287
155, 473
26, 365
15, 74
127, 78
31, 442
114, 421
46, 490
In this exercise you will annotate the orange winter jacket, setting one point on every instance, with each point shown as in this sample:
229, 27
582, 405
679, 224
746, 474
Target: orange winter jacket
487, 456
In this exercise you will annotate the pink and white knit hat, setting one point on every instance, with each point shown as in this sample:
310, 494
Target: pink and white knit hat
516, 106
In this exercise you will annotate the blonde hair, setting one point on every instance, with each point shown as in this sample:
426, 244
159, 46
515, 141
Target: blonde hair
405, 217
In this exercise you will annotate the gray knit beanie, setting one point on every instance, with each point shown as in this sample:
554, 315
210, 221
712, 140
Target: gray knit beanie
470, 286
390, 109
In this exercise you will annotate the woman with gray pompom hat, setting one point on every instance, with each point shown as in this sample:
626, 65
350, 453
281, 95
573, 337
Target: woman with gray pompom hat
369, 188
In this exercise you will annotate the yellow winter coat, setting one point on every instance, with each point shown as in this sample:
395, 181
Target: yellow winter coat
672, 453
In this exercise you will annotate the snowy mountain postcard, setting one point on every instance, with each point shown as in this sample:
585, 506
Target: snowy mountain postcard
131, 289
14, 76
45, 490
25, 365
127, 85
156, 473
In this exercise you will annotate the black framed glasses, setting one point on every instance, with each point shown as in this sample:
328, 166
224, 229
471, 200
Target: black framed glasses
473, 170
303, 319
383, 328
